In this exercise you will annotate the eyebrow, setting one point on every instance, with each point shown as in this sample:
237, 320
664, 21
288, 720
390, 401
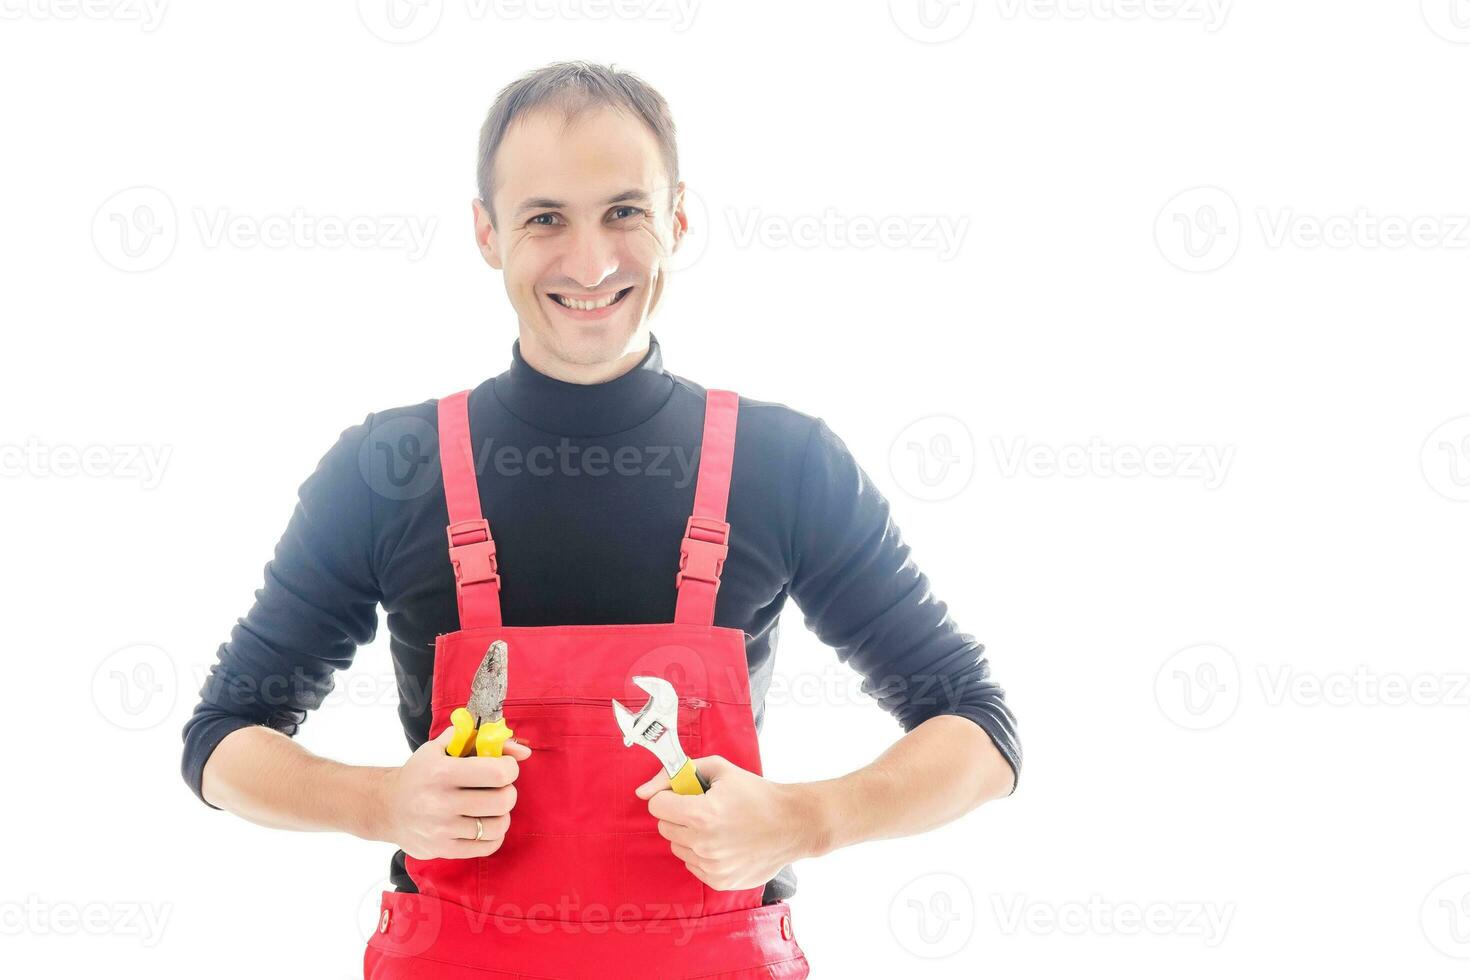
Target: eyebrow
540, 203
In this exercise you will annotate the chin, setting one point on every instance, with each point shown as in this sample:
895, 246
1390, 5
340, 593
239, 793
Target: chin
589, 343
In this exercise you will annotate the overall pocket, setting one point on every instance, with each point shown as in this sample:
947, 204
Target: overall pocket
581, 845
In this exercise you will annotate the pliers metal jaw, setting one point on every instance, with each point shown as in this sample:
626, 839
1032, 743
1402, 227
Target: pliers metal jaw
655, 726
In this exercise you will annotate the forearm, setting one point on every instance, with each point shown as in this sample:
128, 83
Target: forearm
939, 771
267, 778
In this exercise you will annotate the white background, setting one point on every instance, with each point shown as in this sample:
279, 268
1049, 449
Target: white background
1188, 231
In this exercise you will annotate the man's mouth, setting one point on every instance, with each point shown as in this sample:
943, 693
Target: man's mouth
586, 305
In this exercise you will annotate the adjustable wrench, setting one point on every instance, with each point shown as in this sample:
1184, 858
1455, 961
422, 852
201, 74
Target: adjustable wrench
655, 726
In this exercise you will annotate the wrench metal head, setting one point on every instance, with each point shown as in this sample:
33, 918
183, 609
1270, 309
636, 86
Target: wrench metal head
655, 726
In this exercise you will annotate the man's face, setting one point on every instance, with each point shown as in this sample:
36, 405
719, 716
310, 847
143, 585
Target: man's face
584, 231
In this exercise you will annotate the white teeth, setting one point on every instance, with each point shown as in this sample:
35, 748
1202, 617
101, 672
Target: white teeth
578, 304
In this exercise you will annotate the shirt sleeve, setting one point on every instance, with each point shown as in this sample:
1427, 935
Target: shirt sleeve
317, 605
861, 593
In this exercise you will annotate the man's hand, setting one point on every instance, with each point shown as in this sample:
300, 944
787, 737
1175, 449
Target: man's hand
740, 832
430, 803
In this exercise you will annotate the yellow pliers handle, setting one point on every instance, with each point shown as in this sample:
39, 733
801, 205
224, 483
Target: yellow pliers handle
487, 740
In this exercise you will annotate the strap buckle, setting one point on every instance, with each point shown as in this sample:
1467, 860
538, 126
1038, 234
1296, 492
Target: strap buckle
472, 552
703, 550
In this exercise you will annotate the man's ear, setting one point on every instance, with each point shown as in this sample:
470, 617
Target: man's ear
485, 237
681, 218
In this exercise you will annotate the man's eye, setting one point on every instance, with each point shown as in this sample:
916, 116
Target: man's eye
627, 211
537, 219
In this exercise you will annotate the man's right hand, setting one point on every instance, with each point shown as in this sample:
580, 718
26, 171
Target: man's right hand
430, 802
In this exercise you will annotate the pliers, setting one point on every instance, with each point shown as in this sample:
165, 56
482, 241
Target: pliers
479, 727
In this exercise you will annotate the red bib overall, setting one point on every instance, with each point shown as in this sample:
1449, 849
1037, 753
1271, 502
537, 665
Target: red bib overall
583, 884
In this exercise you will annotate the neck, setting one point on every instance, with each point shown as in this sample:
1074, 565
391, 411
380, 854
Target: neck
573, 408
547, 362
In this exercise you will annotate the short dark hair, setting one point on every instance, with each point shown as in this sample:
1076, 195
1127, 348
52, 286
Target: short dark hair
574, 87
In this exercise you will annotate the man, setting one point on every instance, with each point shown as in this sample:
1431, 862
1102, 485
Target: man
583, 455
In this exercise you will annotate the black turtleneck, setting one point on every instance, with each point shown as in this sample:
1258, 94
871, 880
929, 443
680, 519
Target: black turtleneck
587, 488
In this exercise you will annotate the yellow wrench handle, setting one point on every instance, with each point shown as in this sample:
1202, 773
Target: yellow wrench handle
687, 781
491, 739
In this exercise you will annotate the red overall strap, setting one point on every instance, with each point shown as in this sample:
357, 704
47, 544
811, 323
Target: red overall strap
471, 549
707, 534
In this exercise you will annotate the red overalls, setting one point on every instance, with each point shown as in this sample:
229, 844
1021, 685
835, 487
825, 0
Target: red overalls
584, 885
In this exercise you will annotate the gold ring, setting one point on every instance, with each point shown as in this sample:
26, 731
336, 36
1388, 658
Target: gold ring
479, 829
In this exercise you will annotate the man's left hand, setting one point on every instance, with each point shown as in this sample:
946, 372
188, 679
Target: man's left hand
737, 834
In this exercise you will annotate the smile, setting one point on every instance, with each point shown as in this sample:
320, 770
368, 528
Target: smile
587, 305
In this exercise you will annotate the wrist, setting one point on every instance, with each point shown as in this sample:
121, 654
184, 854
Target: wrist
814, 813
365, 792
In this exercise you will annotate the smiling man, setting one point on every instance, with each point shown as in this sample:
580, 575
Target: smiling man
611, 527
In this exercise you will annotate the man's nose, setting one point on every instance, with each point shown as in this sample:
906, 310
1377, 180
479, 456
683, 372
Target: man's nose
591, 257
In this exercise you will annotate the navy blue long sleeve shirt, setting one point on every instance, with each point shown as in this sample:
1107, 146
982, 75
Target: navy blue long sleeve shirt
587, 489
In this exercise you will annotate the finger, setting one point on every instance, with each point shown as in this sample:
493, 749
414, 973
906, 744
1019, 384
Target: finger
461, 849
676, 808
489, 772
485, 802
494, 827
660, 781
684, 854
516, 750
712, 767
676, 834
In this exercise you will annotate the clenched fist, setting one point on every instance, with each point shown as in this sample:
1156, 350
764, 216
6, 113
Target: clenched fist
431, 802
